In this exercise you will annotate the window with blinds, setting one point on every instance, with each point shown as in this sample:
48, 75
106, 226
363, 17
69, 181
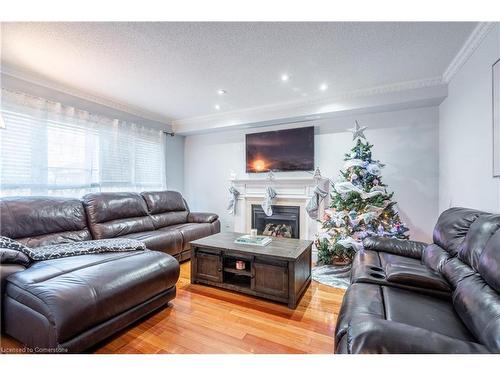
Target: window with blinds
41, 155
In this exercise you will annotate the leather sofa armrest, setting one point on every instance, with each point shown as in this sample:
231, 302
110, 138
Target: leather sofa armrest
10, 256
5, 271
407, 248
378, 336
202, 217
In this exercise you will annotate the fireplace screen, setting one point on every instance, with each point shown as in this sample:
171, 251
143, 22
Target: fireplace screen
284, 222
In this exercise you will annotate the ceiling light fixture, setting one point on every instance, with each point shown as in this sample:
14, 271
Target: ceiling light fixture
323, 87
217, 107
285, 77
221, 92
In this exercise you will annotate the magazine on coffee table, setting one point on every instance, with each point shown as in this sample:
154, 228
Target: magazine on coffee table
253, 240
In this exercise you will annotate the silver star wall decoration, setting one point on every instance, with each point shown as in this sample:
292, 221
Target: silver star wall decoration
357, 131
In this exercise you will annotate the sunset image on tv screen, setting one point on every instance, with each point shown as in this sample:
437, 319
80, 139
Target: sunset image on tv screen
283, 150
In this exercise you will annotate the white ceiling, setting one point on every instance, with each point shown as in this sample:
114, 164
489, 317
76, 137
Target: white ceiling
175, 69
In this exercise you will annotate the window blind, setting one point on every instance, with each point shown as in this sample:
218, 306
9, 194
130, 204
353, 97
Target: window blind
53, 150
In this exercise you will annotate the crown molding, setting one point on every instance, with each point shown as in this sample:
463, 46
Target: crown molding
470, 45
406, 93
9, 72
430, 91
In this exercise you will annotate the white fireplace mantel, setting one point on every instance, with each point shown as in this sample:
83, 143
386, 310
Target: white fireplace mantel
293, 191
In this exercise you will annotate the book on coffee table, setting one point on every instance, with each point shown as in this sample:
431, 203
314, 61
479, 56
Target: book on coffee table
253, 240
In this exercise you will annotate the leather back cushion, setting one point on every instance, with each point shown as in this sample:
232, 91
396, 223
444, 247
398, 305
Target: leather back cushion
489, 263
39, 221
478, 305
452, 226
116, 214
477, 295
166, 208
475, 241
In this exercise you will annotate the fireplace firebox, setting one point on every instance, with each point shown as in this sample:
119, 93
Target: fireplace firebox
284, 222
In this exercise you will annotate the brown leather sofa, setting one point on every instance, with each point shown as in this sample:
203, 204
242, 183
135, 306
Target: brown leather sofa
408, 297
70, 304
161, 220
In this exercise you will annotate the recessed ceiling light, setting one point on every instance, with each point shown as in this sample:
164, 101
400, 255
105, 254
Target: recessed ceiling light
323, 87
217, 107
221, 92
285, 77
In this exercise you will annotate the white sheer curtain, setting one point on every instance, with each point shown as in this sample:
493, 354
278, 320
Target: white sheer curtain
48, 148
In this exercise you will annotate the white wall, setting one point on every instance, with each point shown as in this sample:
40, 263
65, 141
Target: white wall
175, 163
465, 133
406, 141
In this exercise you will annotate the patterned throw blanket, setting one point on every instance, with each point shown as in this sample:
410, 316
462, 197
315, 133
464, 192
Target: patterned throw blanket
70, 249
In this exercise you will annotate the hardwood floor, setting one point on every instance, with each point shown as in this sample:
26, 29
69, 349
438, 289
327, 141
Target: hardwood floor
202, 319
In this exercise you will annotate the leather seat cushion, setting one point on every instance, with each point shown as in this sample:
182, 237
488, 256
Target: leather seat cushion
364, 302
105, 285
191, 232
166, 219
169, 242
419, 310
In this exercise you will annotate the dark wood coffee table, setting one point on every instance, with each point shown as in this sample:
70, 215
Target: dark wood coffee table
280, 271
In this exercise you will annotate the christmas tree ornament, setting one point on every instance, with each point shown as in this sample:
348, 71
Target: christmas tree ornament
373, 169
353, 163
337, 219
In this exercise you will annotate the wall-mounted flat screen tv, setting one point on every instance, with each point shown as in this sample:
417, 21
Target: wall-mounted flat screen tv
282, 150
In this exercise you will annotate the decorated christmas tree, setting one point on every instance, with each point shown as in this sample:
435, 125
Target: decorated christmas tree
360, 206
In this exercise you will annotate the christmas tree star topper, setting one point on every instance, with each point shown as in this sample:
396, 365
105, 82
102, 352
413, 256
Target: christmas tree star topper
357, 131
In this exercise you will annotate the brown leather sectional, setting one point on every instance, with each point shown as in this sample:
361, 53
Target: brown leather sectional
70, 304
161, 220
410, 297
